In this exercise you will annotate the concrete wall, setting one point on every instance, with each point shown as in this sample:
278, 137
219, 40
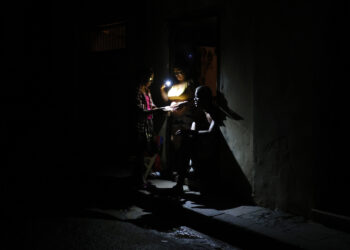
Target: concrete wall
236, 84
283, 106
279, 63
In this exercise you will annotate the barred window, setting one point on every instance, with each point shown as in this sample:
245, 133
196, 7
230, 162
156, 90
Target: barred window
108, 37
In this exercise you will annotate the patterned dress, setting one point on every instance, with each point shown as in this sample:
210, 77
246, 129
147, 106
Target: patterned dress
145, 121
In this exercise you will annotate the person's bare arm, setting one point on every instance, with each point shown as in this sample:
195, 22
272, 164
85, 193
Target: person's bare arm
193, 132
163, 93
211, 125
193, 126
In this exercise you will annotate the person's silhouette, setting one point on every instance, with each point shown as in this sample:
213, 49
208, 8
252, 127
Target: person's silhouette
201, 142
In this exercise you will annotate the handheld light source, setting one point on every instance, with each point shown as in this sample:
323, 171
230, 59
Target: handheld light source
168, 83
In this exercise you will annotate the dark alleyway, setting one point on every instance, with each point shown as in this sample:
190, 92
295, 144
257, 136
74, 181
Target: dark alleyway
106, 214
280, 79
116, 216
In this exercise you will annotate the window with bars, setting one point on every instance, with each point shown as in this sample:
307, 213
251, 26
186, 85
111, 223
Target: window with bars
108, 37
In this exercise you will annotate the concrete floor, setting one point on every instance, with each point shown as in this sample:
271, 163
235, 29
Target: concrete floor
273, 228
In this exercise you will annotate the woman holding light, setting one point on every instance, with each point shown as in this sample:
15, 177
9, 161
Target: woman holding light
181, 95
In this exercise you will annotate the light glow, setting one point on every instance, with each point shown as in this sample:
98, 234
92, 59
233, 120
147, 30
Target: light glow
177, 90
168, 83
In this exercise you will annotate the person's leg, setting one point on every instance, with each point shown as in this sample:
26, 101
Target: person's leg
139, 163
210, 172
184, 157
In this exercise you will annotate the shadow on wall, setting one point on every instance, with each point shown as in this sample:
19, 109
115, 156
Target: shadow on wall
234, 183
225, 110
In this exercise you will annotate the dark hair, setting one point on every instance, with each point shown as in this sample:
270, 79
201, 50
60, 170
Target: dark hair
204, 94
144, 76
182, 68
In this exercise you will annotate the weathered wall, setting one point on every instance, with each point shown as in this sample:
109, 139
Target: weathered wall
283, 106
236, 84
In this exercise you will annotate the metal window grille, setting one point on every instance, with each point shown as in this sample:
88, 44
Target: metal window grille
108, 37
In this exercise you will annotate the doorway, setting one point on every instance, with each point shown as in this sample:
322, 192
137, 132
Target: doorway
193, 44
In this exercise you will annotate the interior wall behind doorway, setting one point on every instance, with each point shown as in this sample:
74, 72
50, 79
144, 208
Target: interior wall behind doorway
193, 45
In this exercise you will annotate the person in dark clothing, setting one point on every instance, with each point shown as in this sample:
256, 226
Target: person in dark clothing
201, 143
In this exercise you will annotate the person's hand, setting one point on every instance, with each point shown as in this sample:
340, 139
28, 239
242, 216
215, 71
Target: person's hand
175, 106
186, 132
180, 132
168, 108
181, 104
